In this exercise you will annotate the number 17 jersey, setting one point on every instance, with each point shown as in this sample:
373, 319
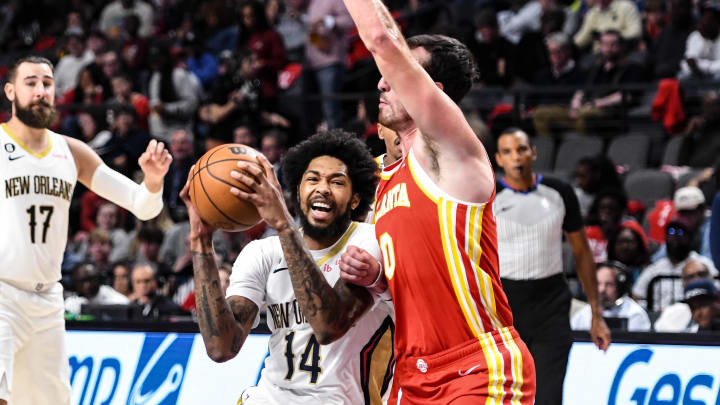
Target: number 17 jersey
34, 209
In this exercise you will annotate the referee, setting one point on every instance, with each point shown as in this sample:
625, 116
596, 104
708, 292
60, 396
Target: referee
532, 213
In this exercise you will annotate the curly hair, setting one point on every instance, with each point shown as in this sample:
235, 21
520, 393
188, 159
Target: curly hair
344, 146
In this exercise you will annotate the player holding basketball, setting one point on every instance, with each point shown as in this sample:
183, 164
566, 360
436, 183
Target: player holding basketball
455, 343
331, 342
39, 169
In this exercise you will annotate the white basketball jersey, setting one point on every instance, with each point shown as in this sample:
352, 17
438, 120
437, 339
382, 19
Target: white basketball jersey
356, 368
34, 209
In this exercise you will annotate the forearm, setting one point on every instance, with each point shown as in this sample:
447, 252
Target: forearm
609, 100
223, 337
588, 279
374, 22
143, 200
319, 302
217, 112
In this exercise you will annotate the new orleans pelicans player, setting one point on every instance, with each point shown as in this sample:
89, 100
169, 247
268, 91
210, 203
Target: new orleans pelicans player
39, 169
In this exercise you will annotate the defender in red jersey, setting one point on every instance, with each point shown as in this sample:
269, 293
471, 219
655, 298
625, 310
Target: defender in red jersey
454, 340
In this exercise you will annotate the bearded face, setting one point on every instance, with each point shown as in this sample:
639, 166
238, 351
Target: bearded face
38, 114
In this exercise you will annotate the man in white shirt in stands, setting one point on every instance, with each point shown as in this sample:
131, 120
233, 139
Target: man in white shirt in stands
613, 280
681, 241
678, 316
88, 290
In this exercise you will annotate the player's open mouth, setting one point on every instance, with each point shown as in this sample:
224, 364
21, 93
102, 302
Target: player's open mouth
320, 209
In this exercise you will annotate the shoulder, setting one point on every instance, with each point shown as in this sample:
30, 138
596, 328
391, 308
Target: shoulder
556, 184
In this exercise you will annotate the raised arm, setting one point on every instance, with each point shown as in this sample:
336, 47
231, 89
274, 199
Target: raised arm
331, 311
224, 324
143, 200
450, 142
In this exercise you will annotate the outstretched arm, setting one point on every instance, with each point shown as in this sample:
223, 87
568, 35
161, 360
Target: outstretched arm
331, 311
445, 130
224, 325
143, 200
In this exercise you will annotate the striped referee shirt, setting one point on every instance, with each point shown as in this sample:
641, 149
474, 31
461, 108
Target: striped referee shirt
530, 226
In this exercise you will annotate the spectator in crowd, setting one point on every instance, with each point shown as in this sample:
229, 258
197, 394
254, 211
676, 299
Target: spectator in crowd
113, 15
69, 66
121, 278
91, 132
246, 135
613, 281
620, 16
122, 94
701, 146
179, 282
274, 145
703, 299
514, 24
326, 53
702, 51
680, 240
631, 248
89, 290
678, 316
149, 304
533, 213
668, 49
495, 56
108, 218
563, 71
595, 110
268, 51
689, 204
99, 248
203, 64
182, 151
607, 213
289, 22
149, 240
133, 48
89, 91
233, 96
110, 63
715, 222
174, 95
219, 31
654, 19
593, 174
125, 147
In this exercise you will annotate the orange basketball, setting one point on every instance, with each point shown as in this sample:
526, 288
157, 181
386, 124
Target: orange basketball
210, 188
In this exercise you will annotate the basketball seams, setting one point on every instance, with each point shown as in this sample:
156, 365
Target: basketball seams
216, 183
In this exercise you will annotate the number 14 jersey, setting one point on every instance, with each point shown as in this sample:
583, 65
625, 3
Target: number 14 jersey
34, 209
355, 369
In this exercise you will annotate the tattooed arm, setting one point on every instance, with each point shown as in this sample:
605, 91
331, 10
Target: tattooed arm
224, 325
331, 311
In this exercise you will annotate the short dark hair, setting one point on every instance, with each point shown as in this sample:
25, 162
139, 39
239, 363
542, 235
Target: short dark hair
512, 130
345, 146
451, 63
12, 72
150, 234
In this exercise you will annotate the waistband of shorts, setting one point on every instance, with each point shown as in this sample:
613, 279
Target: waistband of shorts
448, 356
29, 286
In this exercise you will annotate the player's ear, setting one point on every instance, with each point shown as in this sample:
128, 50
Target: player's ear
355, 201
440, 86
9, 91
534, 153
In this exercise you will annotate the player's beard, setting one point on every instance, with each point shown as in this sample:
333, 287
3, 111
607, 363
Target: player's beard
331, 232
40, 117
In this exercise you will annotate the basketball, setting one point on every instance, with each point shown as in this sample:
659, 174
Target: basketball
210, 184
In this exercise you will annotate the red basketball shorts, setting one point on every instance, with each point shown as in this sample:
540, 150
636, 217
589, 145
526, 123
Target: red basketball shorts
495, 368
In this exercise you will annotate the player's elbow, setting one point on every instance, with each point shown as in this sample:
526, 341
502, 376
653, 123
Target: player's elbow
380, 42
219, 355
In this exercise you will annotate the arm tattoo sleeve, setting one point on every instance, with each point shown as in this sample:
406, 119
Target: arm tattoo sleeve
223, 336
331, 311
